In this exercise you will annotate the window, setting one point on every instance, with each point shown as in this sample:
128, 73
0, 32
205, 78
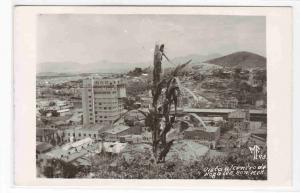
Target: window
95, 135
90, 135
90, 96
79, 134
96, 121
84, 135
104, 108
69, 134
90, 105
100, 103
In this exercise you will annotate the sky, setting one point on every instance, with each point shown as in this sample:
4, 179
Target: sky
131, 38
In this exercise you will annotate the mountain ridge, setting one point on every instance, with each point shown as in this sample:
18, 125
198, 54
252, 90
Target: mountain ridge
106, 66
242, 59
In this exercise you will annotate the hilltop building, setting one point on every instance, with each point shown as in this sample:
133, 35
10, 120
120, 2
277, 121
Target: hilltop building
102, 100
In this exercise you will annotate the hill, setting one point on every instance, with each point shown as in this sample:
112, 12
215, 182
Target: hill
196, 59
105, 66
244, 60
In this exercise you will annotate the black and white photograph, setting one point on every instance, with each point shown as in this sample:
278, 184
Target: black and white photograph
151, 96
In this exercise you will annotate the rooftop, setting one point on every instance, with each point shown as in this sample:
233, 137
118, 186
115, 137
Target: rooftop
96, 127
209, 129
41, 147
44, 131
67, 155
238, 114
196, 110
112, 147
117, 129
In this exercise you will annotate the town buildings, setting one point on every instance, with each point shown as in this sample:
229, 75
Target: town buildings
240, 120
231, 103
207, 135
117, 131
88, 131
102, 100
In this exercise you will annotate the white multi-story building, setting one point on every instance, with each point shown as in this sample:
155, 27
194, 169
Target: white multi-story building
102, 100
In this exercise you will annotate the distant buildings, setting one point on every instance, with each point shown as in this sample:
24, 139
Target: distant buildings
240, 119
116, 132
102, 100
56, 108
42, 147
207, 135
231, 103
89, 131
75, 152
45, 134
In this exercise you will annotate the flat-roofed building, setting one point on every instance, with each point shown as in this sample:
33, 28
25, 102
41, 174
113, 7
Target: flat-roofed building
81, 132
102, 100
198, 130
240, 119
117, 131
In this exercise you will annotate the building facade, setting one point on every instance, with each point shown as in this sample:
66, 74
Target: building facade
116, 132
198, 130
240, 119
102, 100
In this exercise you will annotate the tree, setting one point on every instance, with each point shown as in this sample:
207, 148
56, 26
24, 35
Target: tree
55, 113
53, 142
52, 103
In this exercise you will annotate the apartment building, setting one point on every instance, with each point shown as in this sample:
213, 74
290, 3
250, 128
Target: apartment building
102, 100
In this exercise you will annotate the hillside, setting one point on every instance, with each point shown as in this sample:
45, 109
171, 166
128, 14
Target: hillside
105, 66
196, 59
244, 60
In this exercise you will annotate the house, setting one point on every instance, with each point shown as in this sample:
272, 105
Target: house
114, 133
207, 136
111, 147
87, 131
42, 147
131, 139
72, 152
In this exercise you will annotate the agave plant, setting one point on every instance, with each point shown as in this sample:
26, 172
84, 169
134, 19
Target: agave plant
160, 114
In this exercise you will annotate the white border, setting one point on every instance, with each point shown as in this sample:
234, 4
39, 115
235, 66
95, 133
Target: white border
6, 81
278, 33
